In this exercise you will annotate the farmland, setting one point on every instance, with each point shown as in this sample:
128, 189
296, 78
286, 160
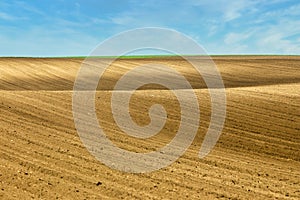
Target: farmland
256, 157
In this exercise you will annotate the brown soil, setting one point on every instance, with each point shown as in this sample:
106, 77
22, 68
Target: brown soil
256, 157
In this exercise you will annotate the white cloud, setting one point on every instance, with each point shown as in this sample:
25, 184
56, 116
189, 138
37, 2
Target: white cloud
8, 17
229, 10
123, 20
94, 20
233, 38
290, 11
39, 41
276, 37
5, 16
25, 6
279, 45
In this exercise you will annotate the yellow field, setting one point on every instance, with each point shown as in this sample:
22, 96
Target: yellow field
256, 157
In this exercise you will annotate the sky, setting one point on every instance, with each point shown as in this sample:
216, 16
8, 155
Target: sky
74, 28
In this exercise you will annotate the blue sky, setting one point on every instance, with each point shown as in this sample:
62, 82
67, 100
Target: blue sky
70, 28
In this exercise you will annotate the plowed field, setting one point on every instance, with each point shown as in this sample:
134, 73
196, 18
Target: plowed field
256, 157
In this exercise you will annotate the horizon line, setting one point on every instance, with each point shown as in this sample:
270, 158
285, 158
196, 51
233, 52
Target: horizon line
149, 56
